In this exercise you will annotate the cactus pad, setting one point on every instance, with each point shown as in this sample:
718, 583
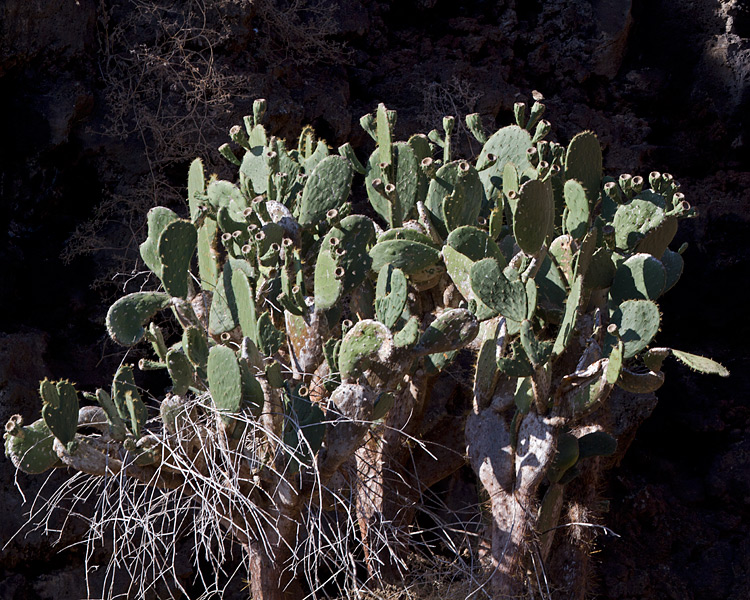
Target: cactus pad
638, 322
30, 448
452, 330
126, 317
534, 215
60, 409
583, 162
640, 277
176, 247
327, 188
390, 295
496, 291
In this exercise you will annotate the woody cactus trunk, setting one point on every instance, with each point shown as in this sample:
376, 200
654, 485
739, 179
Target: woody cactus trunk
311, 336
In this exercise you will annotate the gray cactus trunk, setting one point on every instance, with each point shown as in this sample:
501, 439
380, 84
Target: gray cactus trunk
268, 580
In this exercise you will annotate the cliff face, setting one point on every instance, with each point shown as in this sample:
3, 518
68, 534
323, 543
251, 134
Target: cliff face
103, 104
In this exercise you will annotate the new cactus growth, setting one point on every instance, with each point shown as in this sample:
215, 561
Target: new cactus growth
309, 339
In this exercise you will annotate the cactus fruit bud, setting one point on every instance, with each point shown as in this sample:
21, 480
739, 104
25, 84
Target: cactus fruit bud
519, 112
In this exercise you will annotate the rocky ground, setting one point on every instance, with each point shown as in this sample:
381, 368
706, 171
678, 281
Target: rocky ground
104, 104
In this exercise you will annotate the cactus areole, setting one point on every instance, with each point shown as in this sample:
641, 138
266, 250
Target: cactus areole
311, 337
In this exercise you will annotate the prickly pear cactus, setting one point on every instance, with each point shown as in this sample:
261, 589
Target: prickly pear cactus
308, 337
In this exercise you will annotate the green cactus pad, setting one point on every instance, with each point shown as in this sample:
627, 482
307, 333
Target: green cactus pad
459, 269
583, 162
639, 217
195, 346
126, 317
410, 257
252, 392
60, 409
673, 264
176, 247
596, 443
223, 315
552, 289
308, 419
407, 233
245, 303
116, 424
270, 339
254, 169
408, 335
31, 448
563, 251
158, 218
180, 371
509, 145
485, 373
384, 133
534, 215
523, 397
637, 322
382, 405
496, 291
476, 244
128, 401
701, 363
343, 262
452, 330
537, 351
601, 271
448, 177
577, 205
408, 179
329, 288
224, 194
390, 295
516, 363
196, 188
566, 456
657, 240
361, 343
225, 379
569, 318
327, 188
640, 277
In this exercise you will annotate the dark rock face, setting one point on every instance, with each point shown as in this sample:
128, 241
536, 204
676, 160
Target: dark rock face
89, 97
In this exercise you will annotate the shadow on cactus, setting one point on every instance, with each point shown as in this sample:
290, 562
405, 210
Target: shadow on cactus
301, 420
